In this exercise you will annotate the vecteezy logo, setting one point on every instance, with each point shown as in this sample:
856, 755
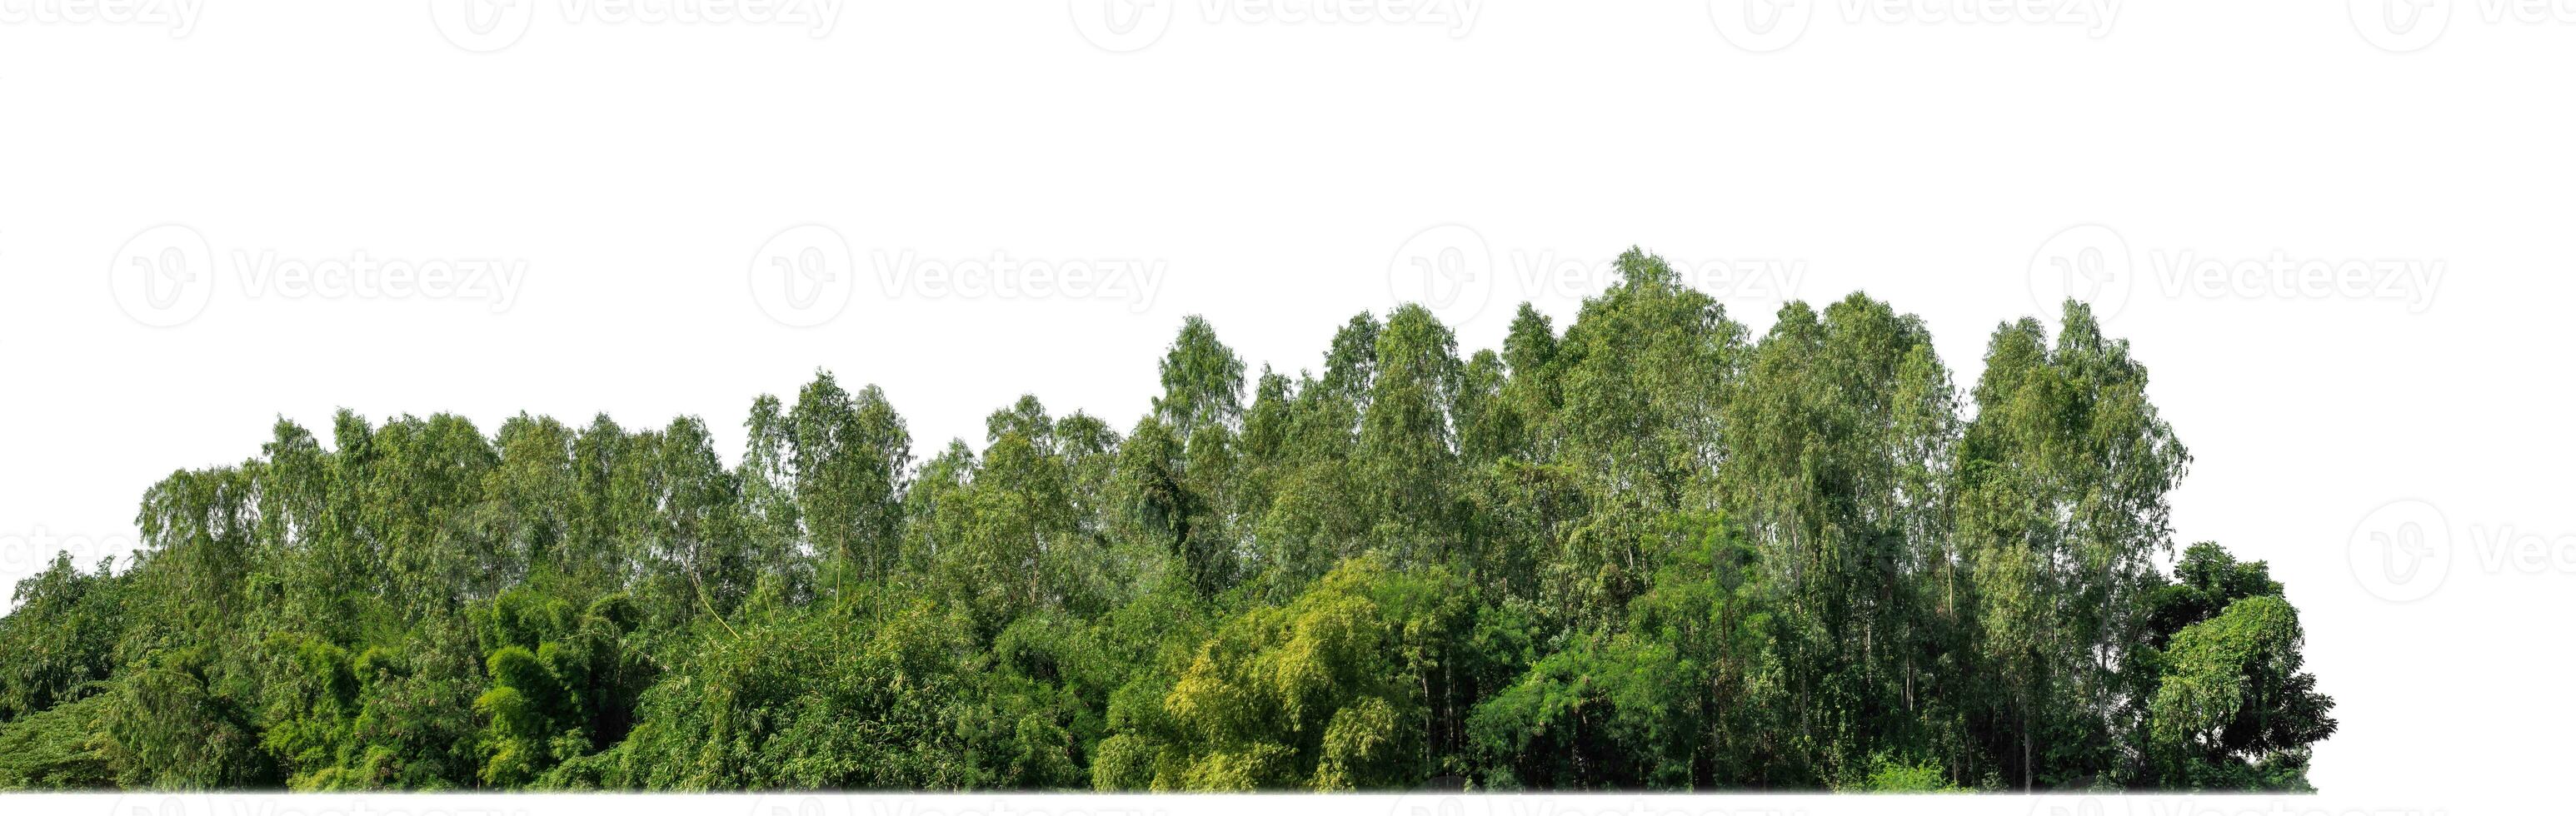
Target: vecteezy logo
2401, 551
804, 276
787, 804
1442, 802
2400, 26
163, 276
482, 26
1447, 268
1120, 26
2063, 805
2086, 262
1760, 26
160, 804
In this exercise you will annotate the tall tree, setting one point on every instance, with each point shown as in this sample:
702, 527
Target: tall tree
850, 455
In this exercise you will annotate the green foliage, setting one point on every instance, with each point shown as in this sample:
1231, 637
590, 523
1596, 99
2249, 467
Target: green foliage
2233, 710
173, 724
1296, 696
60, 639
808, 699
1647, 550
1606, 714
849, 455
59, 748
1919, 776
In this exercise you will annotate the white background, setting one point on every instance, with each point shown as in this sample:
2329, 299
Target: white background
1277, 173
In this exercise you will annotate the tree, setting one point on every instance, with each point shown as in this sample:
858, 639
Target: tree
1202, 381
1297, 697
1406, 446
2233, 710
2061, 508
850, 454
61, 636
770, 522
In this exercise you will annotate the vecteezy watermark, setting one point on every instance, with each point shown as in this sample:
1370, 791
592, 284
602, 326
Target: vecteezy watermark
148, 803
1450, 802
27, 553
2403, 551
1134, 281
2401, 26
484, 26
796, 804
279, 803
2093, 264
1763, 26
166, 275
1450, 269
805, 276
2086, 262
178, 16
881, 804
2058, 804
1120, 26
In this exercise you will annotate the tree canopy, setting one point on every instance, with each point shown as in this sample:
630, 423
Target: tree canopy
1651, 551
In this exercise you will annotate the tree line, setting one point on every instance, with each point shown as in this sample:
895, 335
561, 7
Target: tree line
1650, 551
